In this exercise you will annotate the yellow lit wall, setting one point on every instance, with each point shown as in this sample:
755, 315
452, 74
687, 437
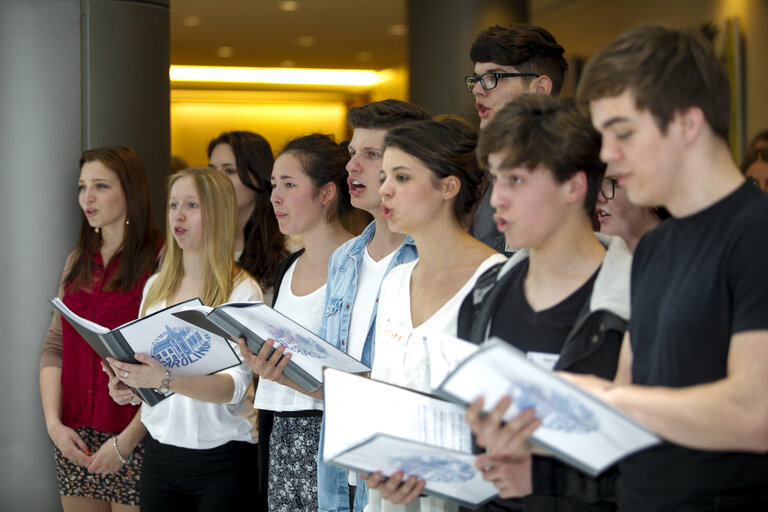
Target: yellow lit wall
197, 116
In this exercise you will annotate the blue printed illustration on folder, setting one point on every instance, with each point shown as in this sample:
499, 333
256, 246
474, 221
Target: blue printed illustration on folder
297, 344
180, 346
555, 410
435, 469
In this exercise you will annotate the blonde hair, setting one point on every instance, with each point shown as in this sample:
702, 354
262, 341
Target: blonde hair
218, 208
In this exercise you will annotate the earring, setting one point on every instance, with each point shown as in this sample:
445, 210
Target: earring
127, 222
97, 230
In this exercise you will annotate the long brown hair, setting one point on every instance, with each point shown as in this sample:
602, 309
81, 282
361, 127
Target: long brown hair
141, 238
264, 243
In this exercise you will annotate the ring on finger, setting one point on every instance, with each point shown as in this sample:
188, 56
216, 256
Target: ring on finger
125, 373
74, 460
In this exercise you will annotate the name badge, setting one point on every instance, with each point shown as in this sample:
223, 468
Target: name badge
396, 331
545, 360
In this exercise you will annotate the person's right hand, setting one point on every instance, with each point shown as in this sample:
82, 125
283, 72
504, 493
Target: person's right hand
70, 444
119, 392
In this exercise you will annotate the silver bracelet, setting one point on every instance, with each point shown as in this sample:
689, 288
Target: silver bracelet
122, 459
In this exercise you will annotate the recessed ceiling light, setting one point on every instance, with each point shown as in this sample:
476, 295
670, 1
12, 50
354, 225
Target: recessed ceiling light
364, 56
224, 52
306, 41
191, 21
397, 30
223, 74
288, 63
289, 5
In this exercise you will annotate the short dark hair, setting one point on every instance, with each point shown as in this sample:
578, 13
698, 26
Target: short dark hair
538, 130
447, 148
323, 161
667, 70
385, 114
529, 48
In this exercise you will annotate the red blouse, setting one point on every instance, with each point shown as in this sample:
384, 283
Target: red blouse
85, 394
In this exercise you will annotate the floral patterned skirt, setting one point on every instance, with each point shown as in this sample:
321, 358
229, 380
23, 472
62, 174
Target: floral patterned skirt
121, 487
293, 448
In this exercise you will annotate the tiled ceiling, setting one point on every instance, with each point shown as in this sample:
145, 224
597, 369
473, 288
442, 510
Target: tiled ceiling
317, 34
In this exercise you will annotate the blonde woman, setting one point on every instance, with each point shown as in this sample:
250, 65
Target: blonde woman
200, 445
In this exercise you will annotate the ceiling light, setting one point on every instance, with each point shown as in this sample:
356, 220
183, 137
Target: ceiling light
191, 21
397, 30
295, 76
288, 5
224, 52
364, 56
306, 41
288, 63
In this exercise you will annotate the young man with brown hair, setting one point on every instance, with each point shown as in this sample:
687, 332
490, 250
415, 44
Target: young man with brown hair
694, 364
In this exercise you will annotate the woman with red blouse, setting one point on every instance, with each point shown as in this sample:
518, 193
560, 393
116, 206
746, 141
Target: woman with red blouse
97, 459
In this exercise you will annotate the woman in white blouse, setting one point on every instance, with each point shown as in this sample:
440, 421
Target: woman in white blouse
310, 196
430, 183
200, 447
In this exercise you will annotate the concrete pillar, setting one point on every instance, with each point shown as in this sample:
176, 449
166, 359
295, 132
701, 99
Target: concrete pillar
440, 35
73, 74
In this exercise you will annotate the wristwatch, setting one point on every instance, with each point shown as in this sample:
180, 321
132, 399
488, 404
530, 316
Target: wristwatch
166, 382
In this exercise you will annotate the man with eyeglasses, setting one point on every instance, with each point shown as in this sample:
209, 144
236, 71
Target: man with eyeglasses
510, 61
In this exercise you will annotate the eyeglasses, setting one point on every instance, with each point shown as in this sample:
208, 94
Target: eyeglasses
608, 187
489, 80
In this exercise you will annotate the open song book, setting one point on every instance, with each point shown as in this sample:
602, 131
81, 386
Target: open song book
255, 322
577, 427
178, 345
372, 426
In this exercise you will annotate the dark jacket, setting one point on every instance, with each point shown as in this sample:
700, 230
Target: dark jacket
592, 347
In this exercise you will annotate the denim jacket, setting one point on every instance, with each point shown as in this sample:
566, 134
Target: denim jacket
332, 487
342, 288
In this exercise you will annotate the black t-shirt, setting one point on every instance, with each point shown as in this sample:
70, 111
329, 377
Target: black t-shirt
696, 281
539, 331
518, 324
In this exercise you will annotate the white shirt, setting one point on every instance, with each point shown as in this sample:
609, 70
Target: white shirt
306, 310
370, 275
402, 359
188, 423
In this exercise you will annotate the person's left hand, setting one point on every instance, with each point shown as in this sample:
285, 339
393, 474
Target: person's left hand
510, 475
148, 374
395, 489
105, 460
498, 437
266, 363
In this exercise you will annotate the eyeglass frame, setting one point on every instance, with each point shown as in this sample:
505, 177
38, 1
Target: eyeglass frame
479, 79
613, 182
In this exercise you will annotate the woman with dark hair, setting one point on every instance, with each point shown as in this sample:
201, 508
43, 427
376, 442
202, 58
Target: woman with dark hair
95, 439
310, 197
430, 182
246, 158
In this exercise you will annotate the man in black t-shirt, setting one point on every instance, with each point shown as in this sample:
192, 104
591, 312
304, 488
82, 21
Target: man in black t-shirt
694, 364
564, 300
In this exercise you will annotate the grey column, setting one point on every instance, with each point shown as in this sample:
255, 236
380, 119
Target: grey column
440, 35
73, 74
